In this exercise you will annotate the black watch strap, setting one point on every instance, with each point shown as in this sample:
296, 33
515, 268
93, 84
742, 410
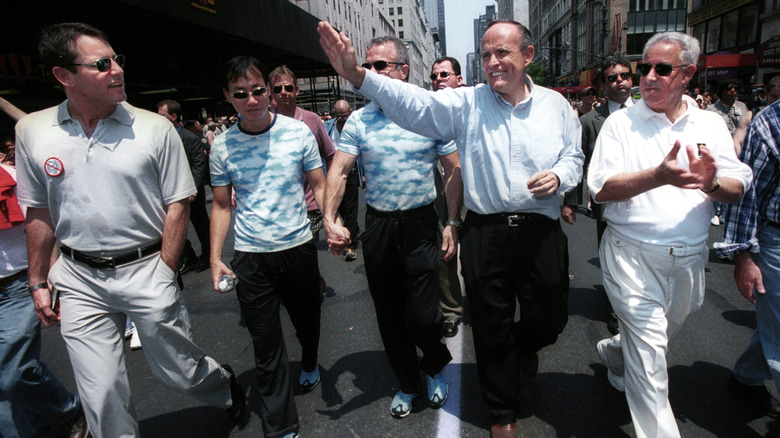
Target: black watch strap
33, 287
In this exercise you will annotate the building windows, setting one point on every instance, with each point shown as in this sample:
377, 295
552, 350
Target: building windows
400, 22
401, 34
391, 11
400, 10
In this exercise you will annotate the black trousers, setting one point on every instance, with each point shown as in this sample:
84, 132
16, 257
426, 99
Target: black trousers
265, 281
401, 259
502, 266
348, 210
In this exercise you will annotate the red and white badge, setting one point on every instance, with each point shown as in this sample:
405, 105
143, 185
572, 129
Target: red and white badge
53, 167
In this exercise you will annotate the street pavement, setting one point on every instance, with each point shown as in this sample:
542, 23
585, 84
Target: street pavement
570, 397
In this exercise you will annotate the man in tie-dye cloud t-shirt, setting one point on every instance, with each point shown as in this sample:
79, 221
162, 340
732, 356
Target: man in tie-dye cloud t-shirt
264, 157
400, 242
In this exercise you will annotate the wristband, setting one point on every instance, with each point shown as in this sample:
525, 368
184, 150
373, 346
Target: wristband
33, 287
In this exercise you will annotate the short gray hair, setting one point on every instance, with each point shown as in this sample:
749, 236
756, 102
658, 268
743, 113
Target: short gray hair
400, 48
690, 46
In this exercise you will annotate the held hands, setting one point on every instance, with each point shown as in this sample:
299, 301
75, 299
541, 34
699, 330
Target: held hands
543, 183
42, 302
700, 173
341, 53
337, 235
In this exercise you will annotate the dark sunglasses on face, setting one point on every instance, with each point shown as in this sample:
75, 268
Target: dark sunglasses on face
590, 93
104, 64
623, 75
442, 74
278, 88
241, 95
379, 65
661, 69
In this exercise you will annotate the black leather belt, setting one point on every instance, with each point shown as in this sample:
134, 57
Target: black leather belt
511, 220
399, 213
111, 262
13, 277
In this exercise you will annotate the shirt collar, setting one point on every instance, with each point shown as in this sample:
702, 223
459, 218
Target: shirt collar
528, 98
123, 113
646, 113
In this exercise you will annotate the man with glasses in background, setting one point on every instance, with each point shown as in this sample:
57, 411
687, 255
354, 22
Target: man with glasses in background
616, 82
445, 73
349, 205
264, 158
111, 184
658, 166
731, 110
399, 242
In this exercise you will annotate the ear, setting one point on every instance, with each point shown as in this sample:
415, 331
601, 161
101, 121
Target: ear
690, 70
295, 92
227, 95
405, 71
529, 55
460, 80
63, 76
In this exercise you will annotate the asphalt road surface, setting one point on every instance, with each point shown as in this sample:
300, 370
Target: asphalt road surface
570, 397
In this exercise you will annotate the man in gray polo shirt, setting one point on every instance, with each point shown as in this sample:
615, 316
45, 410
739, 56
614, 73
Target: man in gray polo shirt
111, 183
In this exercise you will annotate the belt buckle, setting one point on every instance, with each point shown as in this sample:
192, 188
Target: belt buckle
514, 220
103, 263
673, 251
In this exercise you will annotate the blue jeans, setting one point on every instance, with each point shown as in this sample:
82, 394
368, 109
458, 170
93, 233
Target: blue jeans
761, 360
32, 401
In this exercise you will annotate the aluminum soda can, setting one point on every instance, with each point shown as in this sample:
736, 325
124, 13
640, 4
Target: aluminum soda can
226, 283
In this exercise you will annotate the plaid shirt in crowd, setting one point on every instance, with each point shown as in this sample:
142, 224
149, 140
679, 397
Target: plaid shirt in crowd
761, 203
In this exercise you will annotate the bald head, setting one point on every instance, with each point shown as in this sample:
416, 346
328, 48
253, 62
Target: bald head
341, 110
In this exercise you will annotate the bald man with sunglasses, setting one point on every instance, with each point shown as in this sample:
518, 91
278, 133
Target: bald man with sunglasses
657, 166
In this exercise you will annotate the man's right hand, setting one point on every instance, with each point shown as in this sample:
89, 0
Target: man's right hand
748, 276
42, 301
218, 269
341, 53
337, 235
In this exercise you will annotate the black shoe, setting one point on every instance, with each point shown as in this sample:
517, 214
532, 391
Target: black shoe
449, 329
612, 324
202, 265
186, 266
757, 396
235, 412
322, 286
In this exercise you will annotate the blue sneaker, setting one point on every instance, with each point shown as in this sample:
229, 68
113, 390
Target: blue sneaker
292, 435
437, 389
401, 405
310, 380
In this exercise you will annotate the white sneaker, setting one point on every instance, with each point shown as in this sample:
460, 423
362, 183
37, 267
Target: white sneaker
715, 220
617, 382
129, 329
135, 341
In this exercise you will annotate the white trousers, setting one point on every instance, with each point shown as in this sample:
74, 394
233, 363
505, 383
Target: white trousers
93, 304
652, 293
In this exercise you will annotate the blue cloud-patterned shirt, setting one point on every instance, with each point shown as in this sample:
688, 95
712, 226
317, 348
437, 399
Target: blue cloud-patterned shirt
398, 164
266, 171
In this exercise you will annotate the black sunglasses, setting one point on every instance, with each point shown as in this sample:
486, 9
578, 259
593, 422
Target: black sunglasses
257, 92
104, 64
278, 88
442, 74
624, 75
661, 69
379, 65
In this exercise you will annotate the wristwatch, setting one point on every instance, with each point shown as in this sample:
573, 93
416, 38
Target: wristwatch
717, 186
33, 287
456, 223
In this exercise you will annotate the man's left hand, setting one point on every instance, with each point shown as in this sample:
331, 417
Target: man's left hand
568, 214
543, 183
42, 302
